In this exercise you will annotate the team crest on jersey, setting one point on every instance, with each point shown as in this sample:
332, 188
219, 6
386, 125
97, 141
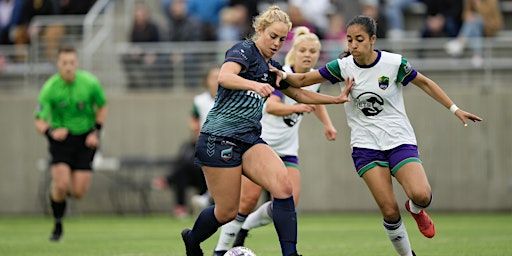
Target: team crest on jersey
383, 82
369, 103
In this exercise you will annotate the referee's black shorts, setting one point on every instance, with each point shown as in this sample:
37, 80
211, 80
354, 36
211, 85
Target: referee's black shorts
72, 151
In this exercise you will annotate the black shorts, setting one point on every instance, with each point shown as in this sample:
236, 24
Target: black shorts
215, 151
72, 151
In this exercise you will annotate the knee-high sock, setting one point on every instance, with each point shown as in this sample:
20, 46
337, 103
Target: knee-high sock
261, 217
398, 236
205, 226
228, 233
58, 209
285, 222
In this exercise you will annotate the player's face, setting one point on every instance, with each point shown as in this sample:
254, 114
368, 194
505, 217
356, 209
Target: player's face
360, 44
271, 39
306, 55
67, 63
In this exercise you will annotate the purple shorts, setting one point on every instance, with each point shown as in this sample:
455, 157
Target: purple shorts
365, 159
291, 161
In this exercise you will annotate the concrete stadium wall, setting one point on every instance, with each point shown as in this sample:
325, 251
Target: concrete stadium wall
468, 167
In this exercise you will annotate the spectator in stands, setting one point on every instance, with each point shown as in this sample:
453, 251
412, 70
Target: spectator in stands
208, 13
311, 13
233, 23
372, 9
10, 15
443, 18
183, 28
480, 18
51, 34
394, 11
184, 172
75, 7
140, 64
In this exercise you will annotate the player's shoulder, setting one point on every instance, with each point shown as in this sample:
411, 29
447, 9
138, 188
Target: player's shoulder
243, 46
202, 97
391, 58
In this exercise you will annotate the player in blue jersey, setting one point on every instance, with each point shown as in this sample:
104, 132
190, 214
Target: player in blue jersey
230, 145
281, 119
382, 139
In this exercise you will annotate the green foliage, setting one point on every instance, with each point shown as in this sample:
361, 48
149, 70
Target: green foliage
319, 235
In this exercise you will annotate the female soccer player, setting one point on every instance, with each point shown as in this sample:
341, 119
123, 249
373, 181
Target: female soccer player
382, 139
230, 145
280, 129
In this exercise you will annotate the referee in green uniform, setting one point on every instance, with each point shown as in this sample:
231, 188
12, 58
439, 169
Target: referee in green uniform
70, 113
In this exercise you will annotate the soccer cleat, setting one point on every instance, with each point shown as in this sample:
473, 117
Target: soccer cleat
240, 237
425, 224
192, 249
56, 233
413, 254
219, 253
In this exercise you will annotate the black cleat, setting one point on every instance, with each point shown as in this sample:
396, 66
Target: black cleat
193, 249
56, 233
240, 237
413, 254
219, 253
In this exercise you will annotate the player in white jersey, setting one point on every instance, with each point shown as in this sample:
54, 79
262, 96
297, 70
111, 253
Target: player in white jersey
382, 139
280, 129
184, 173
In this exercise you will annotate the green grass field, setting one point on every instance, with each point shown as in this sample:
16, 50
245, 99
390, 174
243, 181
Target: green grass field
319, 235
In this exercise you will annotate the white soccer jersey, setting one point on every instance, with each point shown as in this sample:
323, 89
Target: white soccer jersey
376, 115
282, 132
202, 105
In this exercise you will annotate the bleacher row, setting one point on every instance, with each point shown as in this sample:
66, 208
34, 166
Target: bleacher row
122, 66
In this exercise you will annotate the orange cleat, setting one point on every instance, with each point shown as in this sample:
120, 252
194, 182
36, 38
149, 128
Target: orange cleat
425, 224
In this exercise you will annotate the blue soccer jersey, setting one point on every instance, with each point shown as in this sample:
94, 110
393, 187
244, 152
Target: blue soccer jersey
237, 113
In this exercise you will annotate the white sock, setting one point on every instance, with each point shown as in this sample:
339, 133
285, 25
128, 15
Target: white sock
398, 236
414, 207
260, 217
228, 233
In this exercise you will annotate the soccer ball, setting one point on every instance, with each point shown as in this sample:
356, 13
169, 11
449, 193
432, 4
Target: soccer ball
240, 251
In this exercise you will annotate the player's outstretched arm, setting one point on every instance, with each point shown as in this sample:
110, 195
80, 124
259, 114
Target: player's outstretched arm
297, 80
435, 91
308, 97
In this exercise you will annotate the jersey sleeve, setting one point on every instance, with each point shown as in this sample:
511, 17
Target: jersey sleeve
332, 72
195, 111
239, 54
44, 106
406, 73
99, 94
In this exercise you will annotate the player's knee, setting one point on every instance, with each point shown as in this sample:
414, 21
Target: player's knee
226, 215
248, 203
78, 194
390, 213
422, 197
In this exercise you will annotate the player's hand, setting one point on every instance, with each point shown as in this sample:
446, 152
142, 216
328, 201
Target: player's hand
59, 134
345, 93
464, 116
277, 72
330, 132
92, 140
263, 89
304, 108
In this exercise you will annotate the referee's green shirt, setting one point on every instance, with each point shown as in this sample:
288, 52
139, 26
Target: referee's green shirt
71, 105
